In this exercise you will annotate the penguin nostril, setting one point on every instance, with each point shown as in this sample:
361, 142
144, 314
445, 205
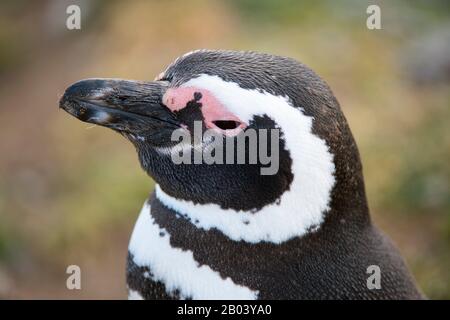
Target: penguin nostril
226, 124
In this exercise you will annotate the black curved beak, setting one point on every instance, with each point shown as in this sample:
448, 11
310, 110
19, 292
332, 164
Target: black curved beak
130, 107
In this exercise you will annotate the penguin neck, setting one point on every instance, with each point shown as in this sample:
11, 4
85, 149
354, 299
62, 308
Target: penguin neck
327, 188
349, 203
348, 199
276, 222
332, 194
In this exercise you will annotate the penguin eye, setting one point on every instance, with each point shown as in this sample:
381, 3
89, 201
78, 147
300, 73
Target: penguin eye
226, 124
216, 116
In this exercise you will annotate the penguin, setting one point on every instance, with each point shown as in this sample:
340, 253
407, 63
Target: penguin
226, 230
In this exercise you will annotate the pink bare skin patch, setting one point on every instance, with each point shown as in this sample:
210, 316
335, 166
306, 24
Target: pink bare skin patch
216, 115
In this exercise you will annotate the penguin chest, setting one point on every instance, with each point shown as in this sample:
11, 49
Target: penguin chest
156, 269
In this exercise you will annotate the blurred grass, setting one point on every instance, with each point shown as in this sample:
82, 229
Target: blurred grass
69, 194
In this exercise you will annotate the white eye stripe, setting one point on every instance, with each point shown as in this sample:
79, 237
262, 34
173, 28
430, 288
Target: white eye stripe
300, 208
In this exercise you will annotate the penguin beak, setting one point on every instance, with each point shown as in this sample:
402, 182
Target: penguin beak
130, 107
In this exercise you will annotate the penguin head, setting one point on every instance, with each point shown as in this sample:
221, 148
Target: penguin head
233, 95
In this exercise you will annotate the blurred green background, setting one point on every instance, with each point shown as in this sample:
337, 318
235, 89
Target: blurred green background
70, 192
